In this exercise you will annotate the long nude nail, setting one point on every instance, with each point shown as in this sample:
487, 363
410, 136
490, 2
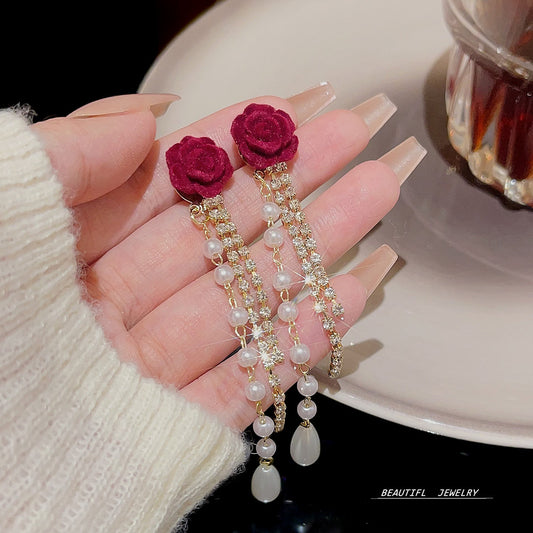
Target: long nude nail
374, 268
375, 112
404, 158
310, 102
127, 103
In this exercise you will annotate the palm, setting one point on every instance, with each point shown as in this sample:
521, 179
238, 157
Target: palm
152, 287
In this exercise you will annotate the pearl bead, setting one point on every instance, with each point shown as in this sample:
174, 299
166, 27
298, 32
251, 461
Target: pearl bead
224, 274
265, 448
238, 316
282, 280
300, 354
307, 386
266, 483
270, 211
287, 311
247, 357
212, 247
255, 391
263, 426
273, 237
306, 409
305, 445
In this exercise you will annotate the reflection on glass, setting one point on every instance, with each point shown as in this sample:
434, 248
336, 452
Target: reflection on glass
489, 92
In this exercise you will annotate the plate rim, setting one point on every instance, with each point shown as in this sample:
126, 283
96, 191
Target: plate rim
427, 420
370, 402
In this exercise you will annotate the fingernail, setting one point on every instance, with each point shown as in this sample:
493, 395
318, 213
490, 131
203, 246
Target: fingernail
160, 107
127, 103
374, 268
404, 158
375, 112
309, 103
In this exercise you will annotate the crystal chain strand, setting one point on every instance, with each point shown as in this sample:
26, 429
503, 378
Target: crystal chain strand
315, 276
305, 443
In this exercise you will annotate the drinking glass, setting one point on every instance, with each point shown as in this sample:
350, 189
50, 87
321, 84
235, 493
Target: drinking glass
489, 92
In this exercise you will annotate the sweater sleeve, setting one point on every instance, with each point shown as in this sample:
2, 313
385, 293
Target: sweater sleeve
86, 443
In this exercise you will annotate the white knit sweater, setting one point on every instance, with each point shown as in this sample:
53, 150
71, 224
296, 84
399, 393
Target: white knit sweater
86, 443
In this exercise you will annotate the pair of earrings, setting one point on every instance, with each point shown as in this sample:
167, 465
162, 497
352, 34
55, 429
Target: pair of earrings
198, 171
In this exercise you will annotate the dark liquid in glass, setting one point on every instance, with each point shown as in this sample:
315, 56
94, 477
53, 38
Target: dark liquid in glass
506, 102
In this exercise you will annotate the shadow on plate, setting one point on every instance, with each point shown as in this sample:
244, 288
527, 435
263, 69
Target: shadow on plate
354, 355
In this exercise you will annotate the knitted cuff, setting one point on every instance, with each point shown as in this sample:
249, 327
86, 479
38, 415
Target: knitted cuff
87, 444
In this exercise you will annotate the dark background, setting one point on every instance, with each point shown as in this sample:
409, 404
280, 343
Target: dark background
57, 59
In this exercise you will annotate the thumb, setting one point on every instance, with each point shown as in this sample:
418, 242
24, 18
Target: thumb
99, 146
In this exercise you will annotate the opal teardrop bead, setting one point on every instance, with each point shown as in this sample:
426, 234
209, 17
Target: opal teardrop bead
305, 445
266, 483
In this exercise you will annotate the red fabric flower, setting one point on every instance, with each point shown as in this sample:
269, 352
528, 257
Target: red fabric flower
197, 166
264, 136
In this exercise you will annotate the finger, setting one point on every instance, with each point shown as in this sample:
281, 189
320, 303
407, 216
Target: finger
107, 221
339, 218
157, 104
153, 255
94, 154
221, 389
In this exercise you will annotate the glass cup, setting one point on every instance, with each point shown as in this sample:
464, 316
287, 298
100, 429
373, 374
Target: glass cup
489, 92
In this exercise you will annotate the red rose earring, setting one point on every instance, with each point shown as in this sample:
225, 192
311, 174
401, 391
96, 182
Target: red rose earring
264, 136
198, 171
198, 168
266, 141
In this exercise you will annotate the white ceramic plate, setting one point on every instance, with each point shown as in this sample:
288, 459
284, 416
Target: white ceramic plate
445, 344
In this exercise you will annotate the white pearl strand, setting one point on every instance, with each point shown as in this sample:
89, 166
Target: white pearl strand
266, 481
305, 443
254, 299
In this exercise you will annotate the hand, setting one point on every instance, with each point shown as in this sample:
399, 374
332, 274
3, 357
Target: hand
144, 272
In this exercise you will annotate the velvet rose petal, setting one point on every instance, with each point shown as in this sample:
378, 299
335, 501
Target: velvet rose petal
262, 124
252, 108
287, 119
237, 132
206, 164
198, 167
284, 128
208, 191
177, 174
264, 135
237, 128
255, 160
290, 151
180, 182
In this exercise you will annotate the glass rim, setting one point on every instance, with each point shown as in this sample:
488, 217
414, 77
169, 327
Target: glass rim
457, 17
